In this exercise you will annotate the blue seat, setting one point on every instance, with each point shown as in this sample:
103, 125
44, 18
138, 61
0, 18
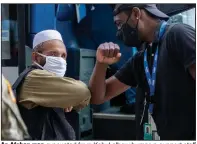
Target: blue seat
41, 18
65, 12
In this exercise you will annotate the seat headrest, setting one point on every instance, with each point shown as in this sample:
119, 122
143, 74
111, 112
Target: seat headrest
65, 12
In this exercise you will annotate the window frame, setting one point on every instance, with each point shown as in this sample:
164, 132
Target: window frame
20, 60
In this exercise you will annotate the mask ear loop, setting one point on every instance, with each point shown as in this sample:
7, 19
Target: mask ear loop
128, 18
125, 22
41, 54
38, 63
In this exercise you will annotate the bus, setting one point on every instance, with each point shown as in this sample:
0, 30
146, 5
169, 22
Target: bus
83, 28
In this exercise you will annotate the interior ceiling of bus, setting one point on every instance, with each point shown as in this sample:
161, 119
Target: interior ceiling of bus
171, 9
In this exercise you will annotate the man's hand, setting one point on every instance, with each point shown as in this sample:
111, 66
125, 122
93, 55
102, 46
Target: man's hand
108, 53
68, 109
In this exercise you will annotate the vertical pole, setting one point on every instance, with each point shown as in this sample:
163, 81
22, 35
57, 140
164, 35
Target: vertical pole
22, 36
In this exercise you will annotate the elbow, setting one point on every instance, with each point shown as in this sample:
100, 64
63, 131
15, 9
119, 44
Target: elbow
92, 101
96, 97
86, 93
83, 92
84, 96
96, 100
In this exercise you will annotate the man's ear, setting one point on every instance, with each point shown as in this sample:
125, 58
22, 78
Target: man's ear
137, 13
33, 56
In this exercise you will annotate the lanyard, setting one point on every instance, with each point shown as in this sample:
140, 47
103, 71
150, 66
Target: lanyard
151, 79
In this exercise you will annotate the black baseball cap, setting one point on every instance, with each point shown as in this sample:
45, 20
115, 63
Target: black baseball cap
151, 8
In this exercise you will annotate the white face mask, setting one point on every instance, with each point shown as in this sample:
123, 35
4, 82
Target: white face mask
56, 65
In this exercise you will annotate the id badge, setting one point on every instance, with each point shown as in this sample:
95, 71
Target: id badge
147, 131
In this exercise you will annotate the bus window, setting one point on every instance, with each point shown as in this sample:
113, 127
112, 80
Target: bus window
186, 17
9, 35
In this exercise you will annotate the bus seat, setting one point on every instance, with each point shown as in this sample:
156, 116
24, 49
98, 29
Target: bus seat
63, 24
103, 28
66, 30
41, 17
83, 30
65, 12
97, 27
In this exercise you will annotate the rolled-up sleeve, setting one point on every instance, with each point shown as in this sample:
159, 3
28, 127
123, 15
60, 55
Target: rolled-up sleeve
41, 88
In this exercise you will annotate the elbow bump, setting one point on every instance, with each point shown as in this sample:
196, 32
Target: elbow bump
92, 101
83, 91
95, 99
96, 102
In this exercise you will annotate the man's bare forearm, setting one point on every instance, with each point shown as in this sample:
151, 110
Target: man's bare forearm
97, 83
107, 54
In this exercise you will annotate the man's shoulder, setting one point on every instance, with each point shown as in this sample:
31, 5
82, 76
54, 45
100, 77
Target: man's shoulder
134, 59
13, 126
139, 55
7, 93
180, 29
135, 62
39, 72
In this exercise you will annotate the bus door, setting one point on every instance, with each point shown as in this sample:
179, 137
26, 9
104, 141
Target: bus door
13, 40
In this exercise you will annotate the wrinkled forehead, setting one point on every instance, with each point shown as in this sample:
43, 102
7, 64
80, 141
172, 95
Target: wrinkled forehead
54, 45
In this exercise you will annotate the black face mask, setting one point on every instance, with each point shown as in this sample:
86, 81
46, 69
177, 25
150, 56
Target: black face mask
129, 35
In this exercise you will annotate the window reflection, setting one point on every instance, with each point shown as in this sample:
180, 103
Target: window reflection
186, 17
9, 35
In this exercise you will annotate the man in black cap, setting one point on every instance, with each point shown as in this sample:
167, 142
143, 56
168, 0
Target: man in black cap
164, 69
